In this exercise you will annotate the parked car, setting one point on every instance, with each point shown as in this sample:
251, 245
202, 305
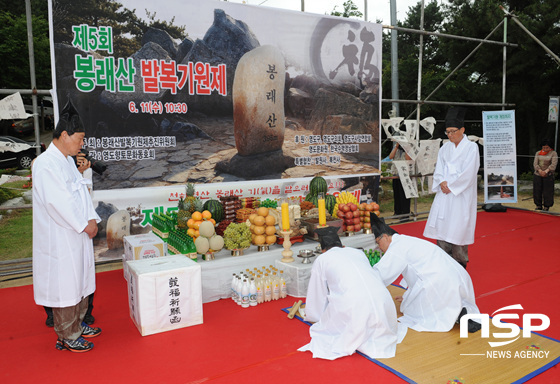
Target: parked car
15, 152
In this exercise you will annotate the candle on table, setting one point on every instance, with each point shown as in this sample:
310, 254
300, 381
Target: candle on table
285, 216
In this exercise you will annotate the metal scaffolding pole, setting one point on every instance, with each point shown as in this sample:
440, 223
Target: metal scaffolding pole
32, 74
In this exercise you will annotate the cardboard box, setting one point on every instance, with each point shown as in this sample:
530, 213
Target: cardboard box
164, 293
145, 246
312, 224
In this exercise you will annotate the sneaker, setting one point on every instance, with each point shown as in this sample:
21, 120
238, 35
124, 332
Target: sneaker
78, 345
89, 332
89, 319
50, 321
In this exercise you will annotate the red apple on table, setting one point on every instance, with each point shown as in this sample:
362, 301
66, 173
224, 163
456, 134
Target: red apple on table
344, 207
349, 221
367, 225
349, 215
353, 207
350, 228
357, 220
341, 214
357, 227
356, 213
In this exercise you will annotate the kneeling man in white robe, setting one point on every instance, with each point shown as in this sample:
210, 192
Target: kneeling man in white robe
439, 291
351, 308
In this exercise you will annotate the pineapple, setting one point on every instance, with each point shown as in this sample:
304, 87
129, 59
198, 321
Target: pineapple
187, 206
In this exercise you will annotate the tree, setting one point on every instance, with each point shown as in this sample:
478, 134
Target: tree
350, 10
532, 76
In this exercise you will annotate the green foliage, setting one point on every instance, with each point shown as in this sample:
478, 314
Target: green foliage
349, 10
7, 194
16, 234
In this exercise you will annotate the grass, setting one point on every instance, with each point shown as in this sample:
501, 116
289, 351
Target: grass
16, 235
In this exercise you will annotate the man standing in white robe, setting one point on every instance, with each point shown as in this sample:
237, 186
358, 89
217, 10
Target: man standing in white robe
64, 223
439, 290
452, 218
351, 308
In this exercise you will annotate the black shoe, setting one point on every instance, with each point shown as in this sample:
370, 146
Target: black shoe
538, 208
545, 209
89, 319
472, 325
50, 321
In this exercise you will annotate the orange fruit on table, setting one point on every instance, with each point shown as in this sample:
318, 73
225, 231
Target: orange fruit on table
375, 206
206, 214
262, 211
191, 232
190, 223
196, 216
197, 224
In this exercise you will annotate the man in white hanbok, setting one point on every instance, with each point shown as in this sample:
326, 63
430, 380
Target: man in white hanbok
351, 308
452, 218
439, 290
64, 223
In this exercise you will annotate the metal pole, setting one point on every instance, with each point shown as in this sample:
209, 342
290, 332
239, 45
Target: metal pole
504, 64
394, 58
303, 5
419, 93
514, 18
427, 33
365, 10
32, 74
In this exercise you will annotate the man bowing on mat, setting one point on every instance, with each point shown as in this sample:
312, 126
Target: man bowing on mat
439, 291
351, 308
452, 218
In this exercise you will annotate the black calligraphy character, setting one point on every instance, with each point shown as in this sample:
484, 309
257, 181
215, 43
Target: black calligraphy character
350, 53
366, 56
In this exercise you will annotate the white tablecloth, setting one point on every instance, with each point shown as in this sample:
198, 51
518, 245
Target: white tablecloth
217, 273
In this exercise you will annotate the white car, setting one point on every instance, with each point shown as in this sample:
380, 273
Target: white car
17, 152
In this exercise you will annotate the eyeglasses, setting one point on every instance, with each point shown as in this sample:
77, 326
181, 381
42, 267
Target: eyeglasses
378, 239
448, 133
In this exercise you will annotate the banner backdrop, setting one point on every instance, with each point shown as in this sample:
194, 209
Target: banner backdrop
250, 93
257, 98
500, 157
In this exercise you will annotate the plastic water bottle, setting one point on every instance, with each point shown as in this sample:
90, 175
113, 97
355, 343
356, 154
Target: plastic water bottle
245, 294
260, 290
252, 293
267, 288
275, 287
233, 284
283, 286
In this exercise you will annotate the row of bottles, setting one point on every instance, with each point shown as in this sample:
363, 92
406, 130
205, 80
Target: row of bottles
162, 224
250, 288
179, 242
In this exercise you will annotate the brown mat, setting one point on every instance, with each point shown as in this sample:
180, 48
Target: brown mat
444, 357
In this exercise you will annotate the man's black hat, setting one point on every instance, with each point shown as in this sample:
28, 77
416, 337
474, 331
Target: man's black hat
455, 117
379, 227
328, 237
69, 120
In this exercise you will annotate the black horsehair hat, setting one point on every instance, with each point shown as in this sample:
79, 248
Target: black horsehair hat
328, 237
69, 120
455, 117
379, 227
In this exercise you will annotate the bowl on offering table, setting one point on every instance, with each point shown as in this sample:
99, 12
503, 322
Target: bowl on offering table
306, 254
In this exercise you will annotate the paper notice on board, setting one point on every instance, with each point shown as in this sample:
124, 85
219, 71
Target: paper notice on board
403, 168
500, 157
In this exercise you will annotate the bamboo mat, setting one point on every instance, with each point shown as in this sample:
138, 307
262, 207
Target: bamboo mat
443, 357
